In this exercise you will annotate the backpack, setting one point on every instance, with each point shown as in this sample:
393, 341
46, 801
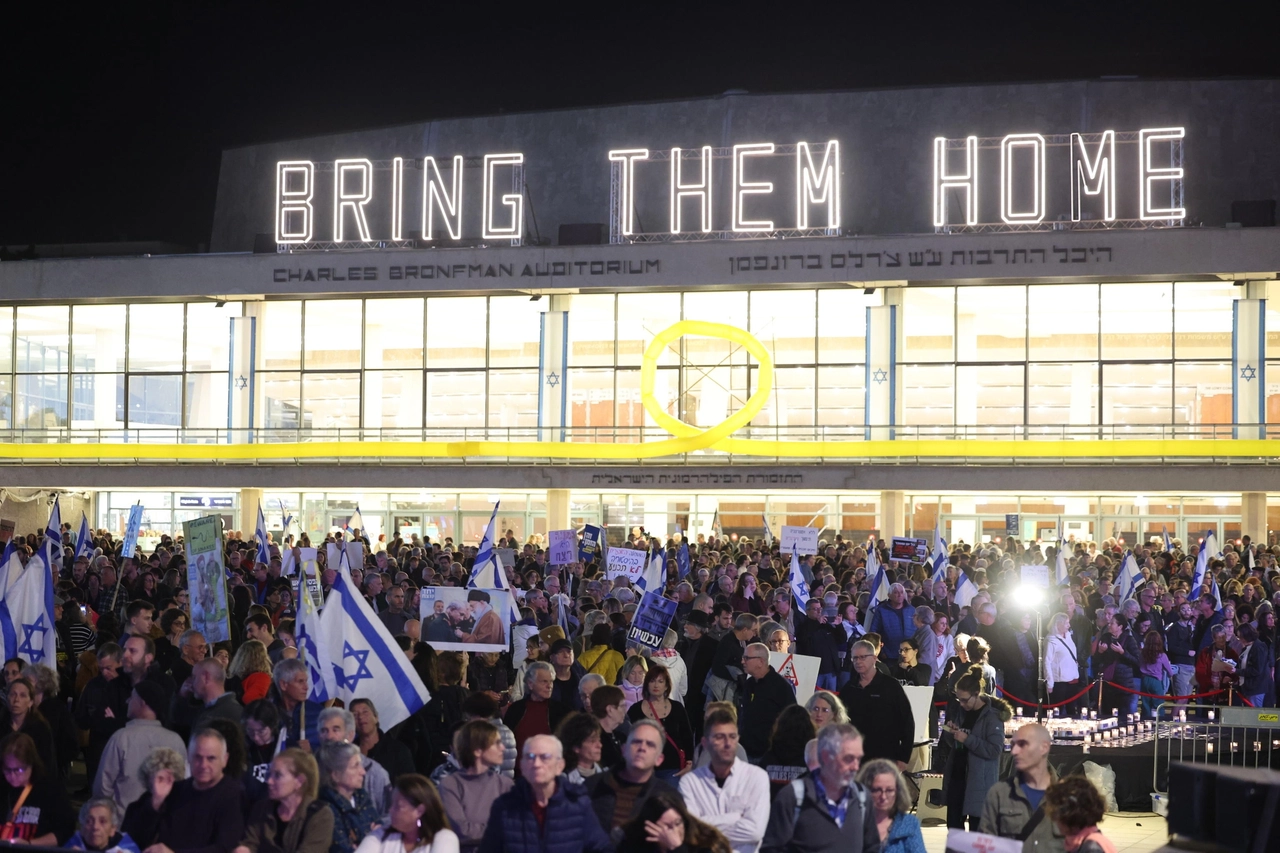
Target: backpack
797, 788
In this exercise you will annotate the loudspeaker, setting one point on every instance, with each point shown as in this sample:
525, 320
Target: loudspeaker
581, 234
1259, 213
1245, 797
1192, 800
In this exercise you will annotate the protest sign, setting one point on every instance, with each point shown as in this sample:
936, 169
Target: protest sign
589, 547
800, 671
206, 578
625, 562
1037, 575
311, 571
651, 620
465, 620
805, 539
563, 547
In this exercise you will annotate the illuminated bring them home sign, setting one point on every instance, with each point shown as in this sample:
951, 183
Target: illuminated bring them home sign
773, 189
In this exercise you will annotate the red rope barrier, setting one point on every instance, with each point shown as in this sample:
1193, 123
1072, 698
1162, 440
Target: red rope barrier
1009, 695
1158, 696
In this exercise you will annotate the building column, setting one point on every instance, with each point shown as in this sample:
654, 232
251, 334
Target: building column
248, 518
883, 368
558, 509
1249, 366
893, 514
553, 364
1253, 516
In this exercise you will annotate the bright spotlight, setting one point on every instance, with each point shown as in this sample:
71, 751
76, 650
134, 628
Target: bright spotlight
1028, 595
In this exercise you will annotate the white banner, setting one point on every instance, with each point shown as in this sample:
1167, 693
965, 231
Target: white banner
553, 358
240, 380
921, 699
624, 562
1249, 367
800, 671
805, 539
562, 547
881, 380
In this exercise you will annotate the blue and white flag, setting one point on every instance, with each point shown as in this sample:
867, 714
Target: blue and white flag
84, 541
486, 558
364, 658
10, 570
654, 577
1130, 576
1168, 543
799, 588
1060, 566
30, 602
966, 589
682, 557
313, 651
50, 552
939, 557
1249, 368
1216, 593
879, 587
768, 534
264, 556
129, 549
1202, 564
356, 521
286, 525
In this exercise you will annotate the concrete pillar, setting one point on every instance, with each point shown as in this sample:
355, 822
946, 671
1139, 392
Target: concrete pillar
893, 514
248, 518
557, 509
1253, 516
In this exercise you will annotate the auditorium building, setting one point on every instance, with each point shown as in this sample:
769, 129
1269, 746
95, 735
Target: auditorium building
863, 311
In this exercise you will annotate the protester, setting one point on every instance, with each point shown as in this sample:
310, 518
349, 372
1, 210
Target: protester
342, 788
909, 671
204, 697
610, 710
203, 813
337, 725
1075, 807
26, 718
99, 830
599, 657
1157, 672
618, 793
728, 793
664, 824
118, 776
468, 794
825, 707
35, 807
899, 830
1062, 670
290, 819
878, 707
417, 820
252, 666
978, 740
1011, 805
784, 760
579, 734
1115, 657
656, 704
760, 702
160, 771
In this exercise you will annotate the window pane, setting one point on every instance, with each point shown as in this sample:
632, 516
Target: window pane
666, 391
6, 401
842, 326
991, 323
712, 394
155, 401
927, 393
393, 399
281, 400
97, 400
841, 396
333, 334
1202, 393
280, 336
1137, 321
155, 337
456, 331
590, 403
455, 400
591, 331
1062, 321
989, 395
1062, 393
209, 333
784, 322
929, 323
515, 326
640, 317
1202, 319
330, 400
1137, 394
393, 333
97, 337
6, 340
41, 401
513, 398
791, 402
207, 400
728, 308
42, 339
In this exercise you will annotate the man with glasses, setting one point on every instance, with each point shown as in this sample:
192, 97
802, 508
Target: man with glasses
879, 707
731, 795
761, 700
544, 810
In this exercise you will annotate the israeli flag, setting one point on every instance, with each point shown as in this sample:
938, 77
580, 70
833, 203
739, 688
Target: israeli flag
1202, 564
84, 539
768, 534
30, 601
50, 553
356, 521
799, 588
939, 556
287, 525
486, 558
10, 570
314, 652
494, 576
879, 587
365, 661
264, 556
1130, 576
1060, 566
1168, 543
1249, 565
654, 578
966, 589
1217, 594
682, 557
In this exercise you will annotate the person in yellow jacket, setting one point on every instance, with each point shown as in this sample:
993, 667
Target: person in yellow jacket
600, 657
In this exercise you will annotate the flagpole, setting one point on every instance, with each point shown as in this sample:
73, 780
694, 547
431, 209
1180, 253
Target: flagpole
120, 574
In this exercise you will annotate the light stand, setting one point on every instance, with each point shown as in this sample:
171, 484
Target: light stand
1030, 596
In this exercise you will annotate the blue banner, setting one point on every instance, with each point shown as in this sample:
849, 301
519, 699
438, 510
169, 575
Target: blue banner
131, 532
589, 547
651, 621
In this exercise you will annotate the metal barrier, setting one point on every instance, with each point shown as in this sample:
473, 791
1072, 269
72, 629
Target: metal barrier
1214, 734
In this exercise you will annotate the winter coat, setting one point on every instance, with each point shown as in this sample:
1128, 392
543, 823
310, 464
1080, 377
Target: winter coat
570, 827
603, 661
982, 749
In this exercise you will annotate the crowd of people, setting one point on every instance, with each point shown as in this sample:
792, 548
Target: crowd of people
579, 738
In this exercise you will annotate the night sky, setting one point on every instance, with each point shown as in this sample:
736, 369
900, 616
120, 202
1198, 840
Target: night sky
116, 116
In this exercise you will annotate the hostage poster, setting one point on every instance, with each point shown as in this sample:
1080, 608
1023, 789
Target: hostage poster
206, 578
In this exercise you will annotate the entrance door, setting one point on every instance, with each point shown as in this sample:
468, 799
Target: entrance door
406, 527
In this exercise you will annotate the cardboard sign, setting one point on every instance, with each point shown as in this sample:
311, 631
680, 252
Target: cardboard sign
959, 841
1038, 575
456, 619
355, 555
507, 556
651, 620
311, 571
800, 671
904, 550
589, 547
805, 539
624, 562
1011, 524
206, 578
563, 547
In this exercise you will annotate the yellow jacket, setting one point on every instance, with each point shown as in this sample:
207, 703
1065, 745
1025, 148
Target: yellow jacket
603, 661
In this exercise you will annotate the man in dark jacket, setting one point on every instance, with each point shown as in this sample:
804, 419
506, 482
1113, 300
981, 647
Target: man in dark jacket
761, 701
879, 707
544, 811
815, 637
699, 652
95, 700
808, 824
618, 794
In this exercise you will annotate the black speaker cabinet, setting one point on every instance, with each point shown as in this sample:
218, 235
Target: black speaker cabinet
1193, 800
1245, 811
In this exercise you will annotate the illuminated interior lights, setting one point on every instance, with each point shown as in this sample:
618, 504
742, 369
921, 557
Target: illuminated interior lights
513, 201
435, 196
1095, 176
397, 198
628, 157
343, 197
1036, 143
679, 189
1149, 174
294, 203
743, 188
818, 186
944, 180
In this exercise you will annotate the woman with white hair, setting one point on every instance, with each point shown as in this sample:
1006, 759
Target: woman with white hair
667, 655
99, 829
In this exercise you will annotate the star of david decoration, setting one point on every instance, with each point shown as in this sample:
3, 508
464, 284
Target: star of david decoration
880, 376
553, 379
242, 382
1248, 373
802, 589
362, 667
29, 633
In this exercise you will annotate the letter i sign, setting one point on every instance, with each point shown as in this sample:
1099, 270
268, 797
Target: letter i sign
788, 671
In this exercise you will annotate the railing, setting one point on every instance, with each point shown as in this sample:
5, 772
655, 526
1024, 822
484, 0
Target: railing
1214, 734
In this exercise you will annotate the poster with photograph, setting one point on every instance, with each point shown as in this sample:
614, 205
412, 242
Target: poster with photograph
206, 578
465, 620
